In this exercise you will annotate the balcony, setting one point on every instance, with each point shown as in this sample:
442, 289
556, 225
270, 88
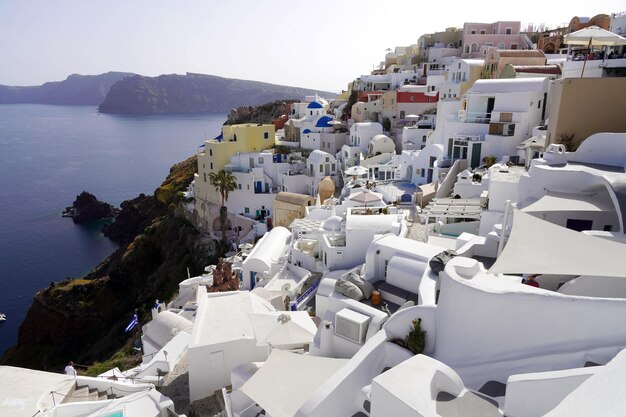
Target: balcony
464, 116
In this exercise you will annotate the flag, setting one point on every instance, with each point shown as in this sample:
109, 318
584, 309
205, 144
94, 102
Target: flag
132, 324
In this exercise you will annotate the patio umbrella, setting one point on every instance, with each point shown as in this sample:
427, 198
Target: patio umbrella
593, 36
282, 328
366, 196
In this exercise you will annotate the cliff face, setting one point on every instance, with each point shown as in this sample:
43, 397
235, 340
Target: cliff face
264, 113
193, 93
75, 90
84, 319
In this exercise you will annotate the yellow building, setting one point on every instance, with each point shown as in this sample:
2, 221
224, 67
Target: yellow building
217, 153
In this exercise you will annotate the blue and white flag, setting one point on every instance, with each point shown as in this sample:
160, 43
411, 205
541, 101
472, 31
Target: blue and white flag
132, 324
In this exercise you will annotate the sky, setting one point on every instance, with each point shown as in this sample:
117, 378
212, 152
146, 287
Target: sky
319, 44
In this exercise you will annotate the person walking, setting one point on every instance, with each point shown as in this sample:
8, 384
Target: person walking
70, 370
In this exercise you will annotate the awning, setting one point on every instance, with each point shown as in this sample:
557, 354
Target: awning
454, 208
287, 380
553, 201
539, 247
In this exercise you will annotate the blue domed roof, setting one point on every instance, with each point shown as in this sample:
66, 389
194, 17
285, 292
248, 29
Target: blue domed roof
323, 121
306, 131
315, 105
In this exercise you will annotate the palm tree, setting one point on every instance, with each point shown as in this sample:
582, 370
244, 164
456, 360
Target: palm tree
224, 183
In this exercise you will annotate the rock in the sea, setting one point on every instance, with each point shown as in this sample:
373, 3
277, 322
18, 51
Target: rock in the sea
87, 208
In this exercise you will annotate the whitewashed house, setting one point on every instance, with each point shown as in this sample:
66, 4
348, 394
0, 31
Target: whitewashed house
495, 117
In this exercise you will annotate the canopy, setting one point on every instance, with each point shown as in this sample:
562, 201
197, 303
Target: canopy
356, 170
539, 247
287, 380
554, 201
594, 36
283, 328
536, 142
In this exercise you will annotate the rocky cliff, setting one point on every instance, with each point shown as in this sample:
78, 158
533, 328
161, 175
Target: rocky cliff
263, 113
193, 93
75, 90
84, 319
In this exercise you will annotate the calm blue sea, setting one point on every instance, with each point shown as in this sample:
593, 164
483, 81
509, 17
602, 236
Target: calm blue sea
48, 155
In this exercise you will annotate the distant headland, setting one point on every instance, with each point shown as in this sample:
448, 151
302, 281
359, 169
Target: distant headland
128, 93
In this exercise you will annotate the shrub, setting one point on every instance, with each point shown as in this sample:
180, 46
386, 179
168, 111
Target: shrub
416, 339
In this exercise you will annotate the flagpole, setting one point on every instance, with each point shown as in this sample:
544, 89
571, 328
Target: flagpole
586, 56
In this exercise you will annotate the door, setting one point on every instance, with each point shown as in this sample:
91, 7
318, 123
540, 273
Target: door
429, 179
476, 154
490, 103
450, 146
252, 279
259, 187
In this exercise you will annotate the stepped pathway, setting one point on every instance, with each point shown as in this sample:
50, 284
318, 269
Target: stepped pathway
80, 393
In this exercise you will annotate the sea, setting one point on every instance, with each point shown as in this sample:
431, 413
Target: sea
50, 154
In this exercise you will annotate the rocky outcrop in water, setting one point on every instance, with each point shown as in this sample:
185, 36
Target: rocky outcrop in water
87, 208
194, 93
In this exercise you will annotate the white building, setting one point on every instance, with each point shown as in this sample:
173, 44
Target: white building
582, 190
496, 116
320, 165
222, 339
266, 258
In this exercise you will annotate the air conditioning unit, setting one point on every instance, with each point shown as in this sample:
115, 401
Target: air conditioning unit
351, 325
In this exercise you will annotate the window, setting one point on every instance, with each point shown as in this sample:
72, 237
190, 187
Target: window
321, 167
539, 104
266, 135
386, 265
482, 31
235, 137
210, 152
473, 32
424, 138
248, 187
260, 160
211, 166
246, 210
204, 176
508, 31
239, 186
513, 46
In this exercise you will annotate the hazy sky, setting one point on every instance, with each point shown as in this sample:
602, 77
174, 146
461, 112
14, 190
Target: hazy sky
320, 44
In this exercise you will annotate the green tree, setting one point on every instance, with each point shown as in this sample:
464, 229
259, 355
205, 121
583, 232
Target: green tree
224, 182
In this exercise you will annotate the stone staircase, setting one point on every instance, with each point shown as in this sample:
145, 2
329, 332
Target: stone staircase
79, 393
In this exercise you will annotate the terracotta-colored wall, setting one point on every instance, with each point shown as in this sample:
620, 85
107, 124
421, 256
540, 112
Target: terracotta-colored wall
405, 97
584, 106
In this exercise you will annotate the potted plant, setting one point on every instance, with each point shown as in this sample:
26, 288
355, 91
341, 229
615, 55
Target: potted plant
415, 340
